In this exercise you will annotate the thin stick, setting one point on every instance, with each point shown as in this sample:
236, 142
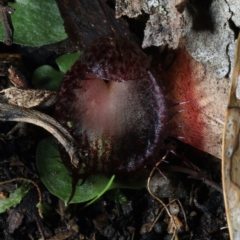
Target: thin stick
184, 214
11, 112
158, 199
195, 175
5, 12
40, 229
156, 219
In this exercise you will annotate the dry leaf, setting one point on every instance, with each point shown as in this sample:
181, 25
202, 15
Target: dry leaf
63, 235
165, 25
14, 220
235, 9
175, 222
130, 8
202, 120
17, 78
181, 5
231, 154
210, 41
133, 8
146, 227
29, 98
208, 35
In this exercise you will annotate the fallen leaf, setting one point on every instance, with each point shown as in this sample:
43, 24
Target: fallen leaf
164, 27
204, 26
208, 35
14, 220
29, 98
231, 153
235, 9
165, 24
202, 120
130, 8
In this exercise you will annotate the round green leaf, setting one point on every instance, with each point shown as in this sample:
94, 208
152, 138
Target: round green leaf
65, 61
36, 23
56, 178
46, 77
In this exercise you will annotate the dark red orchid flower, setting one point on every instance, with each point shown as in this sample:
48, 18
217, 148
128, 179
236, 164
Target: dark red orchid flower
113, 105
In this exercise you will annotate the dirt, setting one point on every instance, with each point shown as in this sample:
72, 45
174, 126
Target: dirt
110, 217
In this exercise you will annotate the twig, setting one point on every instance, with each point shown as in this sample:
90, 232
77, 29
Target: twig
156, 219
184, 214
40, 229
5, 12
159, 215
193, 174
158, 199
19, 114
223, 228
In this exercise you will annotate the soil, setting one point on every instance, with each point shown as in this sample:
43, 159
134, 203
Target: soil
110, 217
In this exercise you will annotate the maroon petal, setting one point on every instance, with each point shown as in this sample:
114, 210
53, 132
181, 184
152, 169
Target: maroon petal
120, 124
115, 59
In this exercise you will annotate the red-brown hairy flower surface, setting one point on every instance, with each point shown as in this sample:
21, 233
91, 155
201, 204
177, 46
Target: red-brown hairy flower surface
112, 104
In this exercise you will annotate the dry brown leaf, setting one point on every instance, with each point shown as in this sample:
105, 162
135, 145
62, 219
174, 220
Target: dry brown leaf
133, 8
235, 9
17, 78
208, 35
181, 5
165, 25
29, 98
231, 154
202, 120
130, 8
175, 221
63, 235
14, 220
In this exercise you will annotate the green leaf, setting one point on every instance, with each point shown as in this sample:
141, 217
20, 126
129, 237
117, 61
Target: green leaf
36, 23
66, 61
46, 77
56, 178
15, 197
108, 187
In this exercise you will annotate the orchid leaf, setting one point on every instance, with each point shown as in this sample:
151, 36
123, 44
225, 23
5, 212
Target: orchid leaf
36, 23
48, 78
